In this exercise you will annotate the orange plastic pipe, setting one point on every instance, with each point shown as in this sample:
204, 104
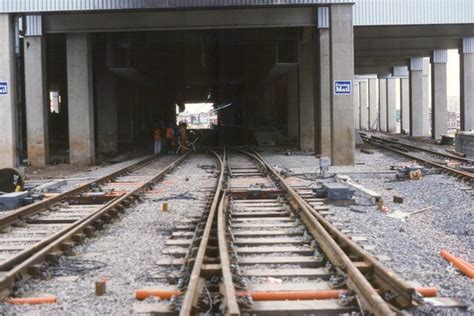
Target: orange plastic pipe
466, 263
460, 264
32, 300
163, 294
427, 291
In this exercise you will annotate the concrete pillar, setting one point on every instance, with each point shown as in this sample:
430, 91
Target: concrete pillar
405, 103
36, 97
392, 105
80, 99
467, 84
364, 110
322, 103
416, 97
342, 71
439, 96
356, 106
383, 105
292, 101
107, 117
306, 90
426, 97
373, 104
8, 138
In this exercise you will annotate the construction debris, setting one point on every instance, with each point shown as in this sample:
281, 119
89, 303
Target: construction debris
371, 195
397, 199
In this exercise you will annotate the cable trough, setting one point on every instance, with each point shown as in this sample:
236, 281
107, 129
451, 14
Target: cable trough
41, 232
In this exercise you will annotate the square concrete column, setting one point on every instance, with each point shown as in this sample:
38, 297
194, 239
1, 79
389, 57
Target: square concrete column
364, 110
292, 101
80, 99
416, 97
405, 103
373, 105
342, 71
8, 138
306, 87
322, 80
107, 117
383, 105
392, 105
36, 97
426, 97
439, 94
467, 84
356, 106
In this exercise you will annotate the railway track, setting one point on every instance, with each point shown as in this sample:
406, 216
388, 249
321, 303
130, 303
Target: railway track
37, 234
263, 249
410, 152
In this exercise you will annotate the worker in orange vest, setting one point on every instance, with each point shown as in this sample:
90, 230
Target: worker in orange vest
157, 136
170, 138
183, 138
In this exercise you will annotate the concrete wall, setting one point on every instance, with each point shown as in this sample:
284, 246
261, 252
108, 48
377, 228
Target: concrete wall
364, 110
383, 105
293, 104
322, 94
373, 105
405, 103
8, 139
107, 120
392, 105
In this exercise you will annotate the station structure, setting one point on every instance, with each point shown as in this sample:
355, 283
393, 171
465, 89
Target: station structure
90, 75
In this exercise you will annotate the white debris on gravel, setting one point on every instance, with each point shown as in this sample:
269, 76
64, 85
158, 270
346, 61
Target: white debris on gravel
125, 252
412, 245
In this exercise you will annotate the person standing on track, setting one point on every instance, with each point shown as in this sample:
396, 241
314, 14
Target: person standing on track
157, 136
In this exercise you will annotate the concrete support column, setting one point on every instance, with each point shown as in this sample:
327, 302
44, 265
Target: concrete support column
8, 138
364, 110
416, 97
356, 106
439, 94
342, 70
373, 103
392, 105
405, 103
107, 116
426, 97
36, 97
306, 86
292, 101
322, 95
383, 105
467, 85
80, 99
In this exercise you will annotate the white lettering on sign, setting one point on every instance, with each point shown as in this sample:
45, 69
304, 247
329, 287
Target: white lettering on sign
342, 87
3, 88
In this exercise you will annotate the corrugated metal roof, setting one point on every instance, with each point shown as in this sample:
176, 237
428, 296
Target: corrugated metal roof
412, 12
40, 6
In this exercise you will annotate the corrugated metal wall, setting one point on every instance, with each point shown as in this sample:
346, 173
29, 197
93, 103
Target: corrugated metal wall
403, 12
32, 6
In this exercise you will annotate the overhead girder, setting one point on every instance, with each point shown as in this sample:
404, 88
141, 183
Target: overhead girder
406, 32
384, 62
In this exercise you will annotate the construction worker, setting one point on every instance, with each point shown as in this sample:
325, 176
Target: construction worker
157, 137
183, 138
170, 138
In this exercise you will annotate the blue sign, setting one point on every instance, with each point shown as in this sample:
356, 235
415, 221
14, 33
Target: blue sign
342, 87
3, 88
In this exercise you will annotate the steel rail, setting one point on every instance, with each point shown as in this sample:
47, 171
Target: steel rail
433, 152
329, 238
39, 206
459, 173
68, 237
228, 288
193, 289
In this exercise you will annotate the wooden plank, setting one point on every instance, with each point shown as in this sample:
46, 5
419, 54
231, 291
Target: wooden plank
309, 286
266, 226
53, 221
257, 214
259, 209
260, 233
178, 242
310, 273
276, 219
